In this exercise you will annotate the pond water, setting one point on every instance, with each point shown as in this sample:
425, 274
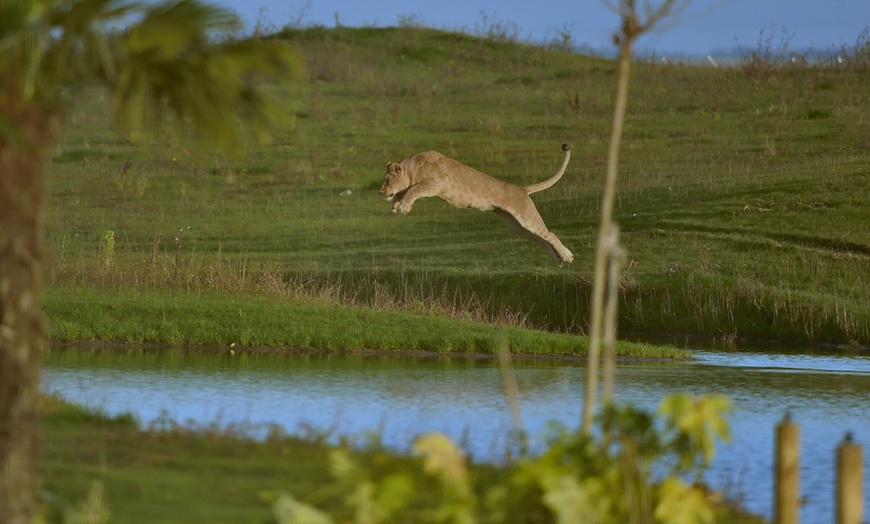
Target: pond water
399, 398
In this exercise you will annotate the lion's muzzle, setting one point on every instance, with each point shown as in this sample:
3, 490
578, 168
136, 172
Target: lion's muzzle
387, 194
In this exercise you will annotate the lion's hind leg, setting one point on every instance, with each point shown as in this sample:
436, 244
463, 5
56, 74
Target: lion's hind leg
534, 229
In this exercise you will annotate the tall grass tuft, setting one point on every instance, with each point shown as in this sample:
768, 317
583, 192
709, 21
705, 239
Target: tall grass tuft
178, 266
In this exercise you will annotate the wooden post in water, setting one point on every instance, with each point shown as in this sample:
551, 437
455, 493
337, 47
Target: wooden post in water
850, 482
787, 466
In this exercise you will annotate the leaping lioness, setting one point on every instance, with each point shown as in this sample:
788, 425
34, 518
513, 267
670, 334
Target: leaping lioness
432, 174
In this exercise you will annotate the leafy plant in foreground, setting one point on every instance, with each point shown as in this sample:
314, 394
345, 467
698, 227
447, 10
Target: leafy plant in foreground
607, 477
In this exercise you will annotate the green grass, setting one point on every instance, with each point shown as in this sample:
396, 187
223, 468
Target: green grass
174, 475
742, 200
222, 320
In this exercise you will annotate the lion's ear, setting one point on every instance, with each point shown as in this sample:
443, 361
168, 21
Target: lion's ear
394, 168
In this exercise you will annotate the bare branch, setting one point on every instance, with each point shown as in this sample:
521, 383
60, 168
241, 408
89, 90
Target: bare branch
607, 246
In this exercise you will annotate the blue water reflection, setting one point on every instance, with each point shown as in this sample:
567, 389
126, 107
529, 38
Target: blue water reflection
401, 398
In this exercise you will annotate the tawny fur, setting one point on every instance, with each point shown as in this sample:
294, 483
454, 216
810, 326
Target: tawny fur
432, 174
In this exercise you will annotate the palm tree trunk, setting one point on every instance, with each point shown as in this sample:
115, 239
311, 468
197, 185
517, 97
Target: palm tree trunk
25, 135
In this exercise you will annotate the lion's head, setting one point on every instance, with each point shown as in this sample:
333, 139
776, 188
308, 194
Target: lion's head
396, 180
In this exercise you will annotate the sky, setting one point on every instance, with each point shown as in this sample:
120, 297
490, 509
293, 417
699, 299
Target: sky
702, 27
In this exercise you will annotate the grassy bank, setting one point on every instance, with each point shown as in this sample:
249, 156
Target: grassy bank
239, 322
742, 198
154, 476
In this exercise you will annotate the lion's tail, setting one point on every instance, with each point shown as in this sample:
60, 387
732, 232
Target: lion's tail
534, 188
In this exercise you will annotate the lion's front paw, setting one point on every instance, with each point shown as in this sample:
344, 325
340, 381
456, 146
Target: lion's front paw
402, 207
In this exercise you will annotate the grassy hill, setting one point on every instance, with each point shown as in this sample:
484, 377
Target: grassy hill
742, 202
